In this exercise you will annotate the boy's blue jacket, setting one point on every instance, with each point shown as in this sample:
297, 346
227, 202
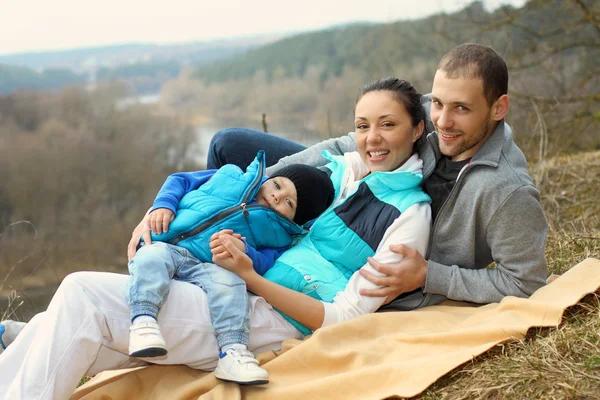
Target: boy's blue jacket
223, 202
342, 238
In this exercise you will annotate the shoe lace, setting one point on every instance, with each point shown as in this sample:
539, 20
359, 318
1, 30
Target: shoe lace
243, 356
145, 328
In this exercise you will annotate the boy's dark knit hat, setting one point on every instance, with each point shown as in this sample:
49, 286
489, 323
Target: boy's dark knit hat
314, 190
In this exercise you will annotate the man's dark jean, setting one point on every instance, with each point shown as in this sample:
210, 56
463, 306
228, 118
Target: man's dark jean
239, 146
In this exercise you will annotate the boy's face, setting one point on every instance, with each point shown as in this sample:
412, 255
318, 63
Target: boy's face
280, 194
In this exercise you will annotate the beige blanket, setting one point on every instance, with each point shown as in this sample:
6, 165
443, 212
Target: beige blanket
372, 357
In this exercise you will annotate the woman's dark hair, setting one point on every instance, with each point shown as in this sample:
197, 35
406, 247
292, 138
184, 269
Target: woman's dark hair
404, 93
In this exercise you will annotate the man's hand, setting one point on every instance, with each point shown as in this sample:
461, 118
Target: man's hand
232, 258
216, 247
405, 276
141, 231
159, 220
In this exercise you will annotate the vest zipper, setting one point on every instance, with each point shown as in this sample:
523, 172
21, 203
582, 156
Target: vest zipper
226, 213
222, 214
452, 193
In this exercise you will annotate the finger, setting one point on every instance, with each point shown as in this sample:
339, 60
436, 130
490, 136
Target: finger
146, 236
215, 236
237, 236
166, 220
401, 249
379, 266
223, 255
131, 248
376, 279
218, 249
381, 292
234, 251
156, 228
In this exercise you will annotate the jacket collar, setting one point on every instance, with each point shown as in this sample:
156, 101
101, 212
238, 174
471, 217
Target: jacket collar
488, 154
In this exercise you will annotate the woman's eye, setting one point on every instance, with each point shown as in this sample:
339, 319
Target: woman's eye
388, 124
361, 127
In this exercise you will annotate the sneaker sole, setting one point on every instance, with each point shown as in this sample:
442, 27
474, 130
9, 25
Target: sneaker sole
257, 382
228, 378
149, 352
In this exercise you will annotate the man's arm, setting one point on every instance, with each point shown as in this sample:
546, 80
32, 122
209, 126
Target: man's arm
312, 155
516, 236
411, 229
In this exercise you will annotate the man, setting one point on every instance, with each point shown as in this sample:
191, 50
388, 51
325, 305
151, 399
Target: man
485, 207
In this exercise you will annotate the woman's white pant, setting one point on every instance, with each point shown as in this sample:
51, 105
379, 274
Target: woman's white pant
86, 330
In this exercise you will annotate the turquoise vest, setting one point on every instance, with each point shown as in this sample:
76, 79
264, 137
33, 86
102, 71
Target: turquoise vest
342, 238
222, 203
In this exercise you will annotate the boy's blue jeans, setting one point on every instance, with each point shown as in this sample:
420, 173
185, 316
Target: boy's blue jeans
156, 264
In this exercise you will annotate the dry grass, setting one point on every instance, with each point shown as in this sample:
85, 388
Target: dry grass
550, 363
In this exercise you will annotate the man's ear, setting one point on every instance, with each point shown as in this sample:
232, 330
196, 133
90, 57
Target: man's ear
500, 107
418, 130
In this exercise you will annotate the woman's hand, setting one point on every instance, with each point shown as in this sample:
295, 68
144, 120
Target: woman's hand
232, 258
215, 243
141, 231
405, 276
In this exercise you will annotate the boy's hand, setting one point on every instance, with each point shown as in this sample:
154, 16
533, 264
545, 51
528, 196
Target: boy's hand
159, 220
232, 258
216, 247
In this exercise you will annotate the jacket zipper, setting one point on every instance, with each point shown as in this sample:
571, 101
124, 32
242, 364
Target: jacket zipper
459, 180
226, 213
223, 214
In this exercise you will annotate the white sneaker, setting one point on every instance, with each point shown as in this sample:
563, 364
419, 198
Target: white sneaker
9, 330
145, 340
239, 366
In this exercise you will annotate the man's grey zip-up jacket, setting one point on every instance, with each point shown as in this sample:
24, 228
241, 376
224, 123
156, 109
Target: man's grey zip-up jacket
493, 214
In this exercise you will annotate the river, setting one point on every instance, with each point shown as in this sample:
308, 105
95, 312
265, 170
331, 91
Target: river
35, 300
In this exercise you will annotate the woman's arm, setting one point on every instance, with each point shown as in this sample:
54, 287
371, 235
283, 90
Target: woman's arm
411, 229
304, 309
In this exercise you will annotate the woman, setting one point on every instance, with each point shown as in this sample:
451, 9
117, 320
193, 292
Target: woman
85, 329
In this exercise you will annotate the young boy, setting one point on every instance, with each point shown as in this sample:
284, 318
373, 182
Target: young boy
265, 216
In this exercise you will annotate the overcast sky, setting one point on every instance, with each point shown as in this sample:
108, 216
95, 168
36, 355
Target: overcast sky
32, 25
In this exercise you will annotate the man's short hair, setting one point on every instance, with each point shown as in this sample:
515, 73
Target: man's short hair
471, 60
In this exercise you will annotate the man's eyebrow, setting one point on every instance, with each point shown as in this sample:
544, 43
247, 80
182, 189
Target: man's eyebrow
457, 102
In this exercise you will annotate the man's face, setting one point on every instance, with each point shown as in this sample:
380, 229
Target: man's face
461, 115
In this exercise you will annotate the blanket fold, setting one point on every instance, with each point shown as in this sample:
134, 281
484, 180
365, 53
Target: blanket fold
375, 356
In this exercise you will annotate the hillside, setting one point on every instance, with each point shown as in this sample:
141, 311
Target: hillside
377, 49
145, 66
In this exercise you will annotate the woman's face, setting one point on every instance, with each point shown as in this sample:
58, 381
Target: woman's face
384, 132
